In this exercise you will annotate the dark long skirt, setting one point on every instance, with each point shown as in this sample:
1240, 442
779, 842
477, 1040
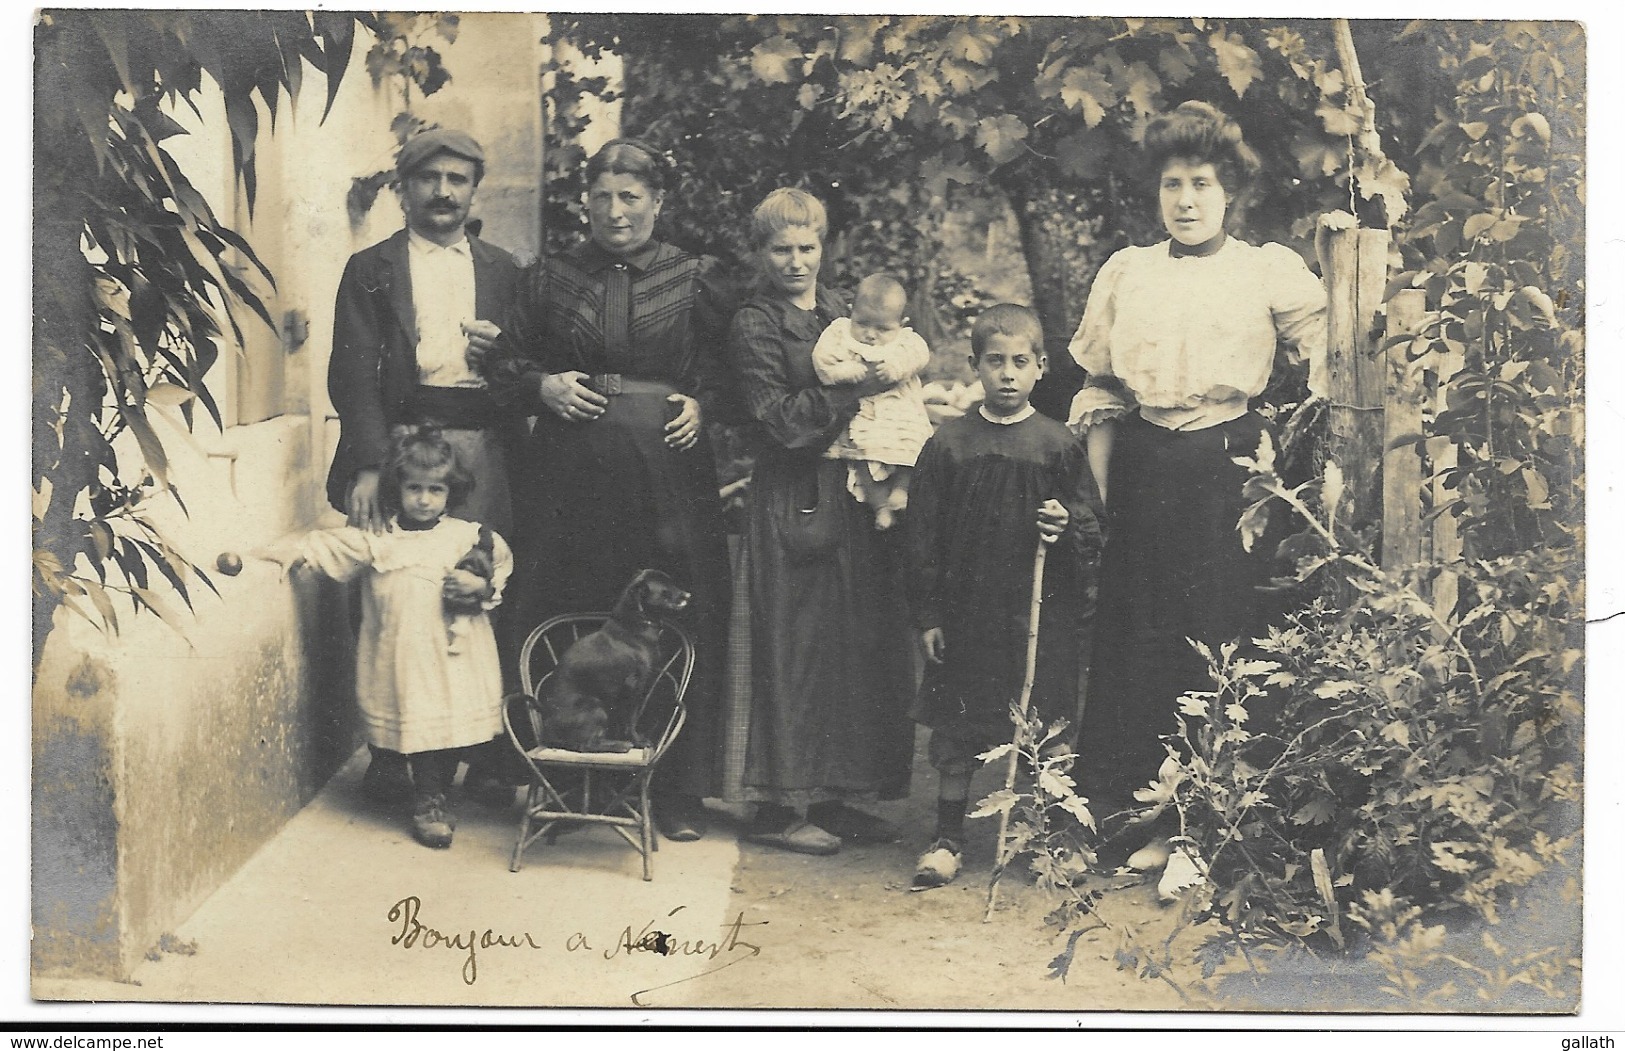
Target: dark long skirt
831, 667
1173, 569
598, 502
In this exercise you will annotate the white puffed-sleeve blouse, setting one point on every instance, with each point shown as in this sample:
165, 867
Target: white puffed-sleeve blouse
1188, 339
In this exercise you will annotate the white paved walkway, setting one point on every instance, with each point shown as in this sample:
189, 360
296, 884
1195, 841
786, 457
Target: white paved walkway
343, 907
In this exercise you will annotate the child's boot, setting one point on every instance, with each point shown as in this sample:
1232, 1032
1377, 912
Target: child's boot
938, 866
432, 823
432, 820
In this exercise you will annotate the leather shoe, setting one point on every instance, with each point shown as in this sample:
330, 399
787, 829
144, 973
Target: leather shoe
432, 822
1152, 857
799, 837
680, 820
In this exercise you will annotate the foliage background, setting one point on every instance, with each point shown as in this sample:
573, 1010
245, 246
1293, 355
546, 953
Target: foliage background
1441, 771
901, 125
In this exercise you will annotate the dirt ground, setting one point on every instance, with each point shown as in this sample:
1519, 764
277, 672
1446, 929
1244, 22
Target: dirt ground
315, 918
847, 932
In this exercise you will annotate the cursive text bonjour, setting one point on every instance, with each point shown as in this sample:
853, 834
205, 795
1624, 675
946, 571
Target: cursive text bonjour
415, 933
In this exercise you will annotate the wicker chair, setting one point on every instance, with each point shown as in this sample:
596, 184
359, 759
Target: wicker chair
594, 788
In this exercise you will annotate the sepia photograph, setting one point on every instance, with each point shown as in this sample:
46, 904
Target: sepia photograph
917, 515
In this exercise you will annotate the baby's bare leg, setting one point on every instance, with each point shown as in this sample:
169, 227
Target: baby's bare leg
872, 491
897, 499
878, 494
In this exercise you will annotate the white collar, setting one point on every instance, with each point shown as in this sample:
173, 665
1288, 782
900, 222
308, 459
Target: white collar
1006, 421
423, 244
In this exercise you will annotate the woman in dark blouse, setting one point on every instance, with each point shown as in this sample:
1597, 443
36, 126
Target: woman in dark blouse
615, 347
831, 652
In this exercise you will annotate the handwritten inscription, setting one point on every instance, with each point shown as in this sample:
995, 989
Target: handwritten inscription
650, 939
414, 933
724, 950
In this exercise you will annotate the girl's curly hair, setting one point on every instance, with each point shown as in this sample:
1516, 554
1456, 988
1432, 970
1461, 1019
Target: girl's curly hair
423, 449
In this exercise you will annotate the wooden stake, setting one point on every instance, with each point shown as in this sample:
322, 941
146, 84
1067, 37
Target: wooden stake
1402, 467
1034, 608
1356, 270
1445, 537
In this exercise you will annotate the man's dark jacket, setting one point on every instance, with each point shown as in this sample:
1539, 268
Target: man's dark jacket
374, 367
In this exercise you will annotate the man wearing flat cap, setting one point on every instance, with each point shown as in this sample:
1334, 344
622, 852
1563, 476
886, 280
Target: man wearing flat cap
415, 316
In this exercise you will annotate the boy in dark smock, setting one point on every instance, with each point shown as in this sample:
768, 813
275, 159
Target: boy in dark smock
988, 485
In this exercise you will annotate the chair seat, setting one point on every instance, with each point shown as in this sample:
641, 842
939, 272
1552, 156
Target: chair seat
609, 789
634, 757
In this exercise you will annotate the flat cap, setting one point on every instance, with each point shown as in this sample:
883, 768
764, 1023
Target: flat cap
426, 144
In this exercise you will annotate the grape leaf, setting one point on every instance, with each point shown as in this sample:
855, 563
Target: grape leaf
1317, 811
1337, 120
1144, 88
772, 59
1003, 137
1087, 90
964, 42
1238, 63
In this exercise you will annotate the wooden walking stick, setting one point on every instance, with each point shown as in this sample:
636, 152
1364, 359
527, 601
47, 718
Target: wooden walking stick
1034, 608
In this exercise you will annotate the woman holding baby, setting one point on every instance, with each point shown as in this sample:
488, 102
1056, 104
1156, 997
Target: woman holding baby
821, 723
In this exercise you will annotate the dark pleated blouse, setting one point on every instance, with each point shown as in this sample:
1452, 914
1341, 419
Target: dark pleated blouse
652, 315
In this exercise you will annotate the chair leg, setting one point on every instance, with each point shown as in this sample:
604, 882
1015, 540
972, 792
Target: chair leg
651, 842
524, 831
649, 814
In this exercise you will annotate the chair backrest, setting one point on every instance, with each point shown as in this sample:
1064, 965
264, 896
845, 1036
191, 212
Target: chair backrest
660, 711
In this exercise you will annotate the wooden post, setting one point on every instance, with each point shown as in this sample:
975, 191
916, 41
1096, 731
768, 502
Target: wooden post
1402, 415
1356, 273
1445, 537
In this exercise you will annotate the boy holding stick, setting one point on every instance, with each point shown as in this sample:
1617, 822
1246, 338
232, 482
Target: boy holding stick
980, 483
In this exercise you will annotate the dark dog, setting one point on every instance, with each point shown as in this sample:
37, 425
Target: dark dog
589, 701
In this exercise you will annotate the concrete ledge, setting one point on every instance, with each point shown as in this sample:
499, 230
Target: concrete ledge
162, 764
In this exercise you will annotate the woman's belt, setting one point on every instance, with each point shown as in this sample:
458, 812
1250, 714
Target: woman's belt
613, 384
1195, 418
456, 408
633, 405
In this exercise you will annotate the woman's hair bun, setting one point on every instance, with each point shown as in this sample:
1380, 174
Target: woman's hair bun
1206, 110
1200, 131
636, 157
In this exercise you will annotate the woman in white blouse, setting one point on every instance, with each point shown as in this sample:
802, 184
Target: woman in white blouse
1176, 338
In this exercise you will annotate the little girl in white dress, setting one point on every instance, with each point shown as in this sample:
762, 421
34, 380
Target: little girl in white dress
884, 439
428, 677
